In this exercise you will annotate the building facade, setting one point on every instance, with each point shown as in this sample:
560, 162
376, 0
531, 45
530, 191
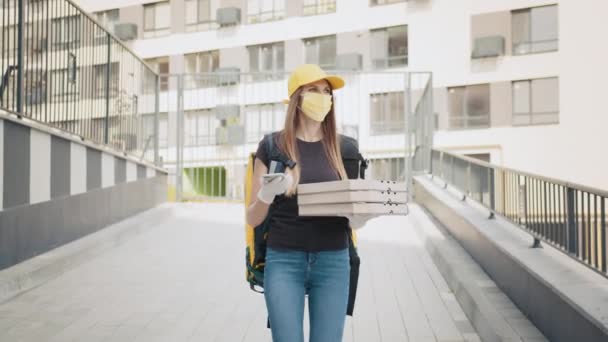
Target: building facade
517, 83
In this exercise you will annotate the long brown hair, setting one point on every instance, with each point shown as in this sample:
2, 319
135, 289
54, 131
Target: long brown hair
287, 140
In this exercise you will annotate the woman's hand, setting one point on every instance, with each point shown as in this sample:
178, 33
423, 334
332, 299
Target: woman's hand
275, 186
358, 221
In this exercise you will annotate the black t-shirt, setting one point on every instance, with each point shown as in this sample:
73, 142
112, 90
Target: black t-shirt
290, 231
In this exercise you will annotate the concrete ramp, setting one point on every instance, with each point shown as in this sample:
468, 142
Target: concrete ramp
182, 279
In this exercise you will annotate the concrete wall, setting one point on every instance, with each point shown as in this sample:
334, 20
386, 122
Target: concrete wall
56, 190
553, 290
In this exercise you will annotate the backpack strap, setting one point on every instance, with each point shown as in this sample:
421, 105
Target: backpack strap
278, 161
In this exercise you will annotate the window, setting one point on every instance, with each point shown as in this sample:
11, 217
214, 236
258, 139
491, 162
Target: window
199, 63
469, 106
314, 7
389, 47
99, 80
262, 119
107, 19
536, 101
161, 66
534, 30
321, 51
200, 127
66, 32
64, 85
387, 113
384, 2
267, 58
157, 19
392, 169
259, 11
198, 15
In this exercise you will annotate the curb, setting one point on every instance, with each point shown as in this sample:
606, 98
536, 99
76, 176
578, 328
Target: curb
466, 279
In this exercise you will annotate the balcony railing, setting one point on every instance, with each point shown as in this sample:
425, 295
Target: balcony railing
60, 67
570, 217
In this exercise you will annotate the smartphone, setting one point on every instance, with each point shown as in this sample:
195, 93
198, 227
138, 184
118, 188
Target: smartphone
270, 177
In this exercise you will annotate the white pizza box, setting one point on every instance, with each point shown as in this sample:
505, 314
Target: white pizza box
341, 209
351, 185
367, 196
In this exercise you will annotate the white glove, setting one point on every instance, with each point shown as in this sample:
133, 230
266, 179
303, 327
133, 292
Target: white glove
358, 221
276, 186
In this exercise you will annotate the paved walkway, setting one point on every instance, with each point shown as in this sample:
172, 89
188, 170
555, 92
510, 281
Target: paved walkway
183, 280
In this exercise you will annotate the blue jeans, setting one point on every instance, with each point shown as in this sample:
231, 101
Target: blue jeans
289, 276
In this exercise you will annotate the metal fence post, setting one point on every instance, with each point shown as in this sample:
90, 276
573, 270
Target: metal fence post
492, 191
108, 62
20, 57
571, 221
156, 119
179, 142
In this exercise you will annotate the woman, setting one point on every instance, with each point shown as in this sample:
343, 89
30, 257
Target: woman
305, 255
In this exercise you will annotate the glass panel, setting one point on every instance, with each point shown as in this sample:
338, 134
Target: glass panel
311, 51
266, 58
544, 28
204, 11
521, 97
163, 15
521, 32
327, 51
253, 7
548, 118
279, 8
545, 95
379, 48
456, 105
149, 17
254, 63
112, 16
397, 45
190, 63
280, 56
522, 119
478, 100
191, 12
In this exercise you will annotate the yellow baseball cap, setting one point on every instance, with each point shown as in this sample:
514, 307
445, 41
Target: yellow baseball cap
309, 73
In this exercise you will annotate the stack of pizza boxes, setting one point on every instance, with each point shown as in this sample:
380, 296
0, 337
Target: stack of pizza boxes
354, 196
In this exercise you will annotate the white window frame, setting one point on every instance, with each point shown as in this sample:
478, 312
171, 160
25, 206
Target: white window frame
318, 7
201, 24
517, 51
257, 14
315, 43
467, 121
383, 59
531, 114
277, 48
156, 31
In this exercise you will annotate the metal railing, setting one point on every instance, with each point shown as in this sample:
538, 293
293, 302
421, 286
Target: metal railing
214, 120
60, 67
568, 216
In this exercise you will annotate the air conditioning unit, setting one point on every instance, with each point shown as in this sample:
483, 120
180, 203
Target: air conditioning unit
349, 61
228, 16
125, 31
226, 112
227, 76
490, 46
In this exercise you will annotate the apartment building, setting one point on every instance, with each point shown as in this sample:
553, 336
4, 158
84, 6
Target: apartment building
516, 82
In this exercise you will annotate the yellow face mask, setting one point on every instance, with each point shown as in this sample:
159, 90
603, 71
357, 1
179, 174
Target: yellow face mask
315, 105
